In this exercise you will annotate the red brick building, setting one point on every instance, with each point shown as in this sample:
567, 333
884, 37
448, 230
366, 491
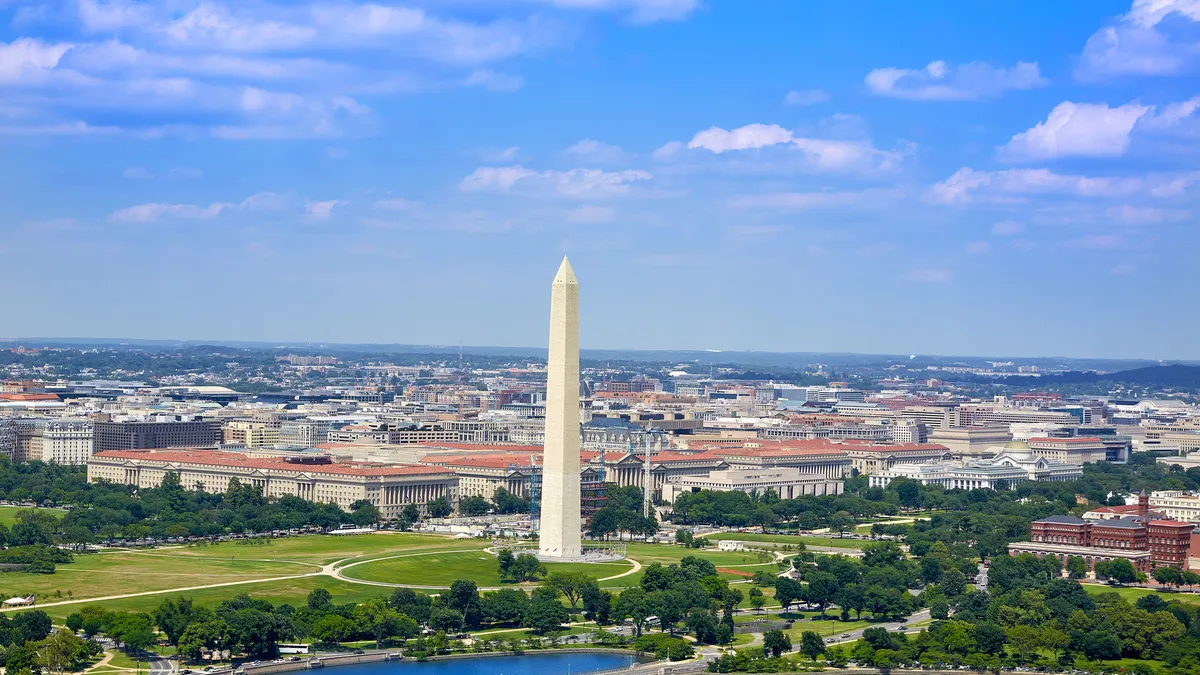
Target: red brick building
1170, 541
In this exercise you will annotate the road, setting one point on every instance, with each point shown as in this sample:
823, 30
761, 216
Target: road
981, 581
161, 666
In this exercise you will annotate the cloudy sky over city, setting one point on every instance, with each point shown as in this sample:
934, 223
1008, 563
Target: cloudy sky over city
956, 178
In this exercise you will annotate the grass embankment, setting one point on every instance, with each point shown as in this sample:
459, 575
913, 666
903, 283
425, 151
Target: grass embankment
121, 572
1132, 594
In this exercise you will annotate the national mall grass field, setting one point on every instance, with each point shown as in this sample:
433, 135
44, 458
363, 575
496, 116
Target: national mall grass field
287, 569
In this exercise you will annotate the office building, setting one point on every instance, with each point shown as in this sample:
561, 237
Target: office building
156, 433
317, 478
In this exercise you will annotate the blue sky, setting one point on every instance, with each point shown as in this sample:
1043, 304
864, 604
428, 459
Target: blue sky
1012, 178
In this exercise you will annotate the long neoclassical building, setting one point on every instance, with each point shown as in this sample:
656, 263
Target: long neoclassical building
317, 478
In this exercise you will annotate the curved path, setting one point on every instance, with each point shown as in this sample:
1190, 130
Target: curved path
337, 569
334, 569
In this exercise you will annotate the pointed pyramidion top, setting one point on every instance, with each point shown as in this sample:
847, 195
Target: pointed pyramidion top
565, 275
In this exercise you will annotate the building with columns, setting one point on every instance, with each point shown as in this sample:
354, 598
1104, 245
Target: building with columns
786, 482
390, 487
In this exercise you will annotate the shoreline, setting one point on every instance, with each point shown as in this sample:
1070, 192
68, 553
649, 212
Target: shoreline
337, 659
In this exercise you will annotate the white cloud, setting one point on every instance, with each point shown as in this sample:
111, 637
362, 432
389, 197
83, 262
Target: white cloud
575, 183
970, 185
798, 201
1145, 215
1139, 43
153, 212
177, 173
929, 275
592, 150
590, 213
501, 154
148, 213
977, 247
669, 149
940, 81
640, 11
492, 81
321, 210
1076, 129
28, 57
494, 178
820, 153
1099, 241
394, 204
137, 173
803, 97
1007, 228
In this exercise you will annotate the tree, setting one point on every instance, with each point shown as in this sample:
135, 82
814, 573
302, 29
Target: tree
364, 513
377, 617
597, 604
939, 609
411, 513
570, 584
811, 645
446, 619
544, 613
60, 650
1168, 576
173, 616
474, 506
1121, 571
757, 599
504, 558
1077, 567
787, 591
776, 642
953, 583
822, 586
332, 629
201, 636
724, 634
439, 508
320, 600
464, 597
526, 567
75, 622
632, 603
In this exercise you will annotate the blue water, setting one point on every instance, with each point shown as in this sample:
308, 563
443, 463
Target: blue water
522, 664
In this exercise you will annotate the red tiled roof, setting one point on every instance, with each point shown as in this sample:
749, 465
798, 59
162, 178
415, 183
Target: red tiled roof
903, 447
235, 459
1172, 523
28, 397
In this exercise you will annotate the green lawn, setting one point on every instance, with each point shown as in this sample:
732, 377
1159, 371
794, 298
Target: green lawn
120, 572
8, 514
323, 549
835, 542
290, 591
441, 569
1132, 594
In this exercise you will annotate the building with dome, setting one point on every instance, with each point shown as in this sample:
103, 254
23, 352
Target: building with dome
1014, 463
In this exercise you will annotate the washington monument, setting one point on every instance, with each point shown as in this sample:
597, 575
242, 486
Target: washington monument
559, 536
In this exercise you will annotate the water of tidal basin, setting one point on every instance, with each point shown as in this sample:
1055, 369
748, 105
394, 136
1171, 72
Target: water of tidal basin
523, 664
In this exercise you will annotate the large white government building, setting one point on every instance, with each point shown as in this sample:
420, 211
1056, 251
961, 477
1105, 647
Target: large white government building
1015, 463
786, 482
318, 478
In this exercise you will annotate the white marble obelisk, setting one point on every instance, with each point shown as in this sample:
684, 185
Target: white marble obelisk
560, 524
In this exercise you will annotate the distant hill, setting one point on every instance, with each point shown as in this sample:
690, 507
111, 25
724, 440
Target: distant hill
1177, 375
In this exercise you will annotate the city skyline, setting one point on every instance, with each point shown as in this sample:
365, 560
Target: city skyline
1015, 179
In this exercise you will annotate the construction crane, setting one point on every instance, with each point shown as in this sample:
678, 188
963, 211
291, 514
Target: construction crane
534, 481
